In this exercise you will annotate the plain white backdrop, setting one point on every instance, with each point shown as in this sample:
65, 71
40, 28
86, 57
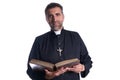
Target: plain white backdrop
97, 21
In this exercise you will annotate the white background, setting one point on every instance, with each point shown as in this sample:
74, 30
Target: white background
97, 21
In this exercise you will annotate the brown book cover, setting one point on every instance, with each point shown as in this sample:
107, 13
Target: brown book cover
52, 67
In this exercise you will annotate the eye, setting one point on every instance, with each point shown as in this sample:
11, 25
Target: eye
58, 14
50, 16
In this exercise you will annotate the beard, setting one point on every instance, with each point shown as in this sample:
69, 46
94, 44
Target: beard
56, 26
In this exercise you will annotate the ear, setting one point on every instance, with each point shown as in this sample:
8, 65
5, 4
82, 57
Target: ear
63, 16
47, 18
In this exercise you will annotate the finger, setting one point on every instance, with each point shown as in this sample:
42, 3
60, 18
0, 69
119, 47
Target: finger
60, 71
64, 70
70, 69
47, 72
77, 65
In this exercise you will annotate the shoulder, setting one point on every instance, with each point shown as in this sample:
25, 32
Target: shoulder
43, 36
73, 34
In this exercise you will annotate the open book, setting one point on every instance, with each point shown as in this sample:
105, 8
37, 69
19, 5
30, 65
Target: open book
40, 65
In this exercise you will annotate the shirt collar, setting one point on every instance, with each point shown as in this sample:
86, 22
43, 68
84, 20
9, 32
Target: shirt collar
57, 32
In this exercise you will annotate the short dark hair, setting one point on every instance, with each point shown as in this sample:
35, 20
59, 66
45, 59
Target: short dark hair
53, 5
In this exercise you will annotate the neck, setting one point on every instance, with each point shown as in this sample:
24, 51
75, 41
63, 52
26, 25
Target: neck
58, 32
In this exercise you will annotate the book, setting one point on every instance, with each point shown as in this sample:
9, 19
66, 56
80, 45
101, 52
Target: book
41, 65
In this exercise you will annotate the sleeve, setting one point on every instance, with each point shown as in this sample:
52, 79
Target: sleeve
85, 58
35, 54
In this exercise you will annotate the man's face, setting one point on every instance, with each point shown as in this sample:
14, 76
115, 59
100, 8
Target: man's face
55, 18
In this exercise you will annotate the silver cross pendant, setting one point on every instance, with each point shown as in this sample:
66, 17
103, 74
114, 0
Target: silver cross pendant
60, 51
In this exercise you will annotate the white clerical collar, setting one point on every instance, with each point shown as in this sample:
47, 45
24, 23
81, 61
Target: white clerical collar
58, 32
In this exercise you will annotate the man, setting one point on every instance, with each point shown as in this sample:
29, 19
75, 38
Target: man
58, 45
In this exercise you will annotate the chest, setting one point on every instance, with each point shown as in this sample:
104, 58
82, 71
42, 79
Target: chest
59, 48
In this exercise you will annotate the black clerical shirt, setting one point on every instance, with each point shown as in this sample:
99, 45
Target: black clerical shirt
46, 47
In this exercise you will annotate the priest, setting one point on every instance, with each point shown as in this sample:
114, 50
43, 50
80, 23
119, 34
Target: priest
57, 45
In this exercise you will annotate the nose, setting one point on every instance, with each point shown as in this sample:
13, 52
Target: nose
54, 18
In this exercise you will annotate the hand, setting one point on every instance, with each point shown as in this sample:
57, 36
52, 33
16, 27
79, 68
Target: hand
77, 68
50, 75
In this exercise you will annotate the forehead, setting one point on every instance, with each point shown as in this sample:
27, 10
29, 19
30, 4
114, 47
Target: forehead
54, 10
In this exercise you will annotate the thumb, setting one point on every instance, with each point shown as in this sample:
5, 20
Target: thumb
47, 71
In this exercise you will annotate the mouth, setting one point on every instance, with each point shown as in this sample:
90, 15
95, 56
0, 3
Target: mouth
55, 24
